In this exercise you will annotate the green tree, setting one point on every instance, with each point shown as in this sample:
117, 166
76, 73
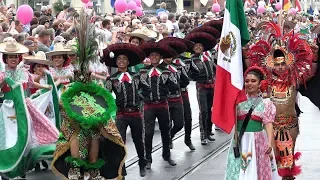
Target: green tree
58, 7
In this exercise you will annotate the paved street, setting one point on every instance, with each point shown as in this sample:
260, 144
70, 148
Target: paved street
189, 163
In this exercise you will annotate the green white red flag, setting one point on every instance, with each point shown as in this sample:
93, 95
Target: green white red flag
229, 72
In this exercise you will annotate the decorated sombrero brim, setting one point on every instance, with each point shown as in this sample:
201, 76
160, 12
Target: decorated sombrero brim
217, 23
38, 58
164, 50
58, 49
88, 104
174, 43
208, 29
134, 53
11, 46
203, 38
143, 33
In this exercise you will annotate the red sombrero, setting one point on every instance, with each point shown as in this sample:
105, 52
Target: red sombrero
164, 50
208, 29
175, 44
134, 54
203, 38
215, 23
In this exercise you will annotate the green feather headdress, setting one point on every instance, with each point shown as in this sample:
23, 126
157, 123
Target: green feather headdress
86, 46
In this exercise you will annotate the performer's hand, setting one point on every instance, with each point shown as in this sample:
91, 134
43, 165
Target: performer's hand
48, 87
269, 148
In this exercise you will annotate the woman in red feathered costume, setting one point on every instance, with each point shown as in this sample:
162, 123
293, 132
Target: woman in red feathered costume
287, 59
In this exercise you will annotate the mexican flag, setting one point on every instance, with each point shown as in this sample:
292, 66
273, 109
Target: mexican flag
229, 73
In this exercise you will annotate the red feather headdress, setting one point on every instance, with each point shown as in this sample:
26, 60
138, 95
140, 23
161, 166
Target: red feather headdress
297, 52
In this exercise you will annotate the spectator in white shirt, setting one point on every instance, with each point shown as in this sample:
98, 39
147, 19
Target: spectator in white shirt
105, 32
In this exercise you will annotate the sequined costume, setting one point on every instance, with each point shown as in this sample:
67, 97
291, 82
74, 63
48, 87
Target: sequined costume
295, 56
90, 145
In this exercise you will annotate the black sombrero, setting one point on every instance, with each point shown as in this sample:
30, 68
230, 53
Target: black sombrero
203, 38
175, 44
215, 23
164, 50
134, 54
208, 29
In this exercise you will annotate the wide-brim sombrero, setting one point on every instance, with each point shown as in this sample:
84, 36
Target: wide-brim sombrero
58, 49
217, 23
144, 34
208, 29
134, 53
37, 60
164, 50
175, 44
203, 38
17, 48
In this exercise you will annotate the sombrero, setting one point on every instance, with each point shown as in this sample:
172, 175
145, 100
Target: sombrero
11, 46
58, 49
38, 58
71, 45
175, 44
134, 54
203, 38
164, 50
217, 23
143, 33
208, 29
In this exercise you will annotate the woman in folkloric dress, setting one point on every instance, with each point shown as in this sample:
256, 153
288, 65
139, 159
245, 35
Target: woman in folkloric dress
25, 132
256, 161
62, 69
46, 100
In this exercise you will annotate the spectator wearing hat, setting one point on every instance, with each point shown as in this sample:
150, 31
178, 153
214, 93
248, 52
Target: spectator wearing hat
57, 39
155, 94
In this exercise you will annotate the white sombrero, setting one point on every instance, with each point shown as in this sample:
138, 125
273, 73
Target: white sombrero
38, 58
11, 46
143, 33
70, 45
58, 49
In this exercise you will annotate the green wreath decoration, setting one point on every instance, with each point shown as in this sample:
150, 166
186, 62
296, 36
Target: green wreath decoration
102, 116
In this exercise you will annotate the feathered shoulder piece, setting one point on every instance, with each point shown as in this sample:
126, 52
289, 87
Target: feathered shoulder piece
295, 52
86, 46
